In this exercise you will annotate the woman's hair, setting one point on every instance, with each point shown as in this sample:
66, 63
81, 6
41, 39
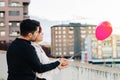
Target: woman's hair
40, 29
28, 26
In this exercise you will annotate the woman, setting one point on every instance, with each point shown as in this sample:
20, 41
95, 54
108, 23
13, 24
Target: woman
43, 57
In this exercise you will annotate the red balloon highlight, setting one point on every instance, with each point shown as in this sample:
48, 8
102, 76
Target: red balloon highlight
103, 30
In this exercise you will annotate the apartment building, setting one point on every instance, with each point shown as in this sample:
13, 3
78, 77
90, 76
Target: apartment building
69, 39
12, 12
103, 49
102, 52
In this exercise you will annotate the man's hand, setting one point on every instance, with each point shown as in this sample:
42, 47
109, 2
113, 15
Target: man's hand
63, 63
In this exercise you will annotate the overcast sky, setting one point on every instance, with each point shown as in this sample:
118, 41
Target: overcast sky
94, 11
74, 9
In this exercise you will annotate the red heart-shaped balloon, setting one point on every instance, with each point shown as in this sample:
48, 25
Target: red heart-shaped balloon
103, 30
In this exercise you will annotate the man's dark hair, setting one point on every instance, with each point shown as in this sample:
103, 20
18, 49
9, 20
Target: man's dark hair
28, 26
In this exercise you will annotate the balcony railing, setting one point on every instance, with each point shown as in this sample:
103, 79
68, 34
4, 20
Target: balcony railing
75, 71
84, 71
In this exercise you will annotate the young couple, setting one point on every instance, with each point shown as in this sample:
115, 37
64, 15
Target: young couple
25, 58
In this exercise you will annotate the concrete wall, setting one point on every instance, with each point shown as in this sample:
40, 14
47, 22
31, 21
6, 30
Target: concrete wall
75, 71
3, 66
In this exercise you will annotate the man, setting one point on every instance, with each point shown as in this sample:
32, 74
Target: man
22, 59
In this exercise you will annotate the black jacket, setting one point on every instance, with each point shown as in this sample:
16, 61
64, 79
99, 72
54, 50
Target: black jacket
23, 61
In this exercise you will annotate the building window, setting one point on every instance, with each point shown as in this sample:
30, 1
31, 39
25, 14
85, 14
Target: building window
82, 28
64, 53
2, 24
56, 32
60, 53
64, 36
71, 52
59, 28
71, 43
2, 14
89, 32
107, 43
89, 27
71, 49
64, 32
56, 36
14, 33
2, 3
15, 4
2, 33
71, 28
14, 23
57, 53
59, 36
14, 13
118, 47
60, 49
118, 50
118, 43
83, 36
59, 32
83, 31
64, 44
94, 28
64, 28
64, 40
18, 24
64, 48
60, 44
71, 32
70, 36
57, 50
56, 44
56, 28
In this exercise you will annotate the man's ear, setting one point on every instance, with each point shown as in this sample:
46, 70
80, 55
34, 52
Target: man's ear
30, 35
